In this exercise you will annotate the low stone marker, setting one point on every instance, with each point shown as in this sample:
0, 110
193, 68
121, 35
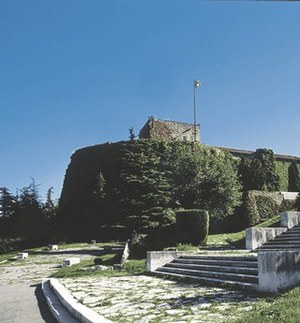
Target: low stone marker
52, 247
22, 255
70, 261
125, 254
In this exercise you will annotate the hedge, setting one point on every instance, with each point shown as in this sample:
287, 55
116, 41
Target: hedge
192, 226
260, 206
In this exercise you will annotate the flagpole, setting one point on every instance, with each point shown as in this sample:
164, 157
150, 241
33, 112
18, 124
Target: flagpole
195, 138
197, 83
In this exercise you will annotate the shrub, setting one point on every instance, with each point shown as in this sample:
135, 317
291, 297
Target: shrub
260, 172
294, 178
113, 233
259, 206
137, 246
297, 203
192, 226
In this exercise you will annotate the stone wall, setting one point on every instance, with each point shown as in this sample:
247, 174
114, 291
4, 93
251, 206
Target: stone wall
156, 259
256, 237
169, 130
278, 270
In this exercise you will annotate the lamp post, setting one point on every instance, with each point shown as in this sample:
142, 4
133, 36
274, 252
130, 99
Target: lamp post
196, 84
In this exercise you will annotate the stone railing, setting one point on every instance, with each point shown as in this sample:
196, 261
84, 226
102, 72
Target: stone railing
256, 237
156, 259
278, 270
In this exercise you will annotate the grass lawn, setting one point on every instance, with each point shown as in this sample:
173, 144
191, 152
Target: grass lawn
236, 237
77, 245
131, 267
283, 308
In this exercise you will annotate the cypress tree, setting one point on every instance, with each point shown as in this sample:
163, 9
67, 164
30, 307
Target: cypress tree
294, 178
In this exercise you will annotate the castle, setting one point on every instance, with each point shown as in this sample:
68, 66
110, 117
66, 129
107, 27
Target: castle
173, 130
170, 130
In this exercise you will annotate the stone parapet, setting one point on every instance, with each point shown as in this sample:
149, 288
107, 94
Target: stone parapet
156, 259
290, 219
278, 270
256, 237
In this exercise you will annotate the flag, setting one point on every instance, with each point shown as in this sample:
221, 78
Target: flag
197, 83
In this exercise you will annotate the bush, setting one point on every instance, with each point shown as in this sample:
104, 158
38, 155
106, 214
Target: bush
113, 233
192, 226
260, 172
294, 178
297, 203
259, 206
137, 246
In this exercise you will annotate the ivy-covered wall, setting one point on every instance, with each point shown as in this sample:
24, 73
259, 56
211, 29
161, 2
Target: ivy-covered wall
282, 169
110, 187
137, 185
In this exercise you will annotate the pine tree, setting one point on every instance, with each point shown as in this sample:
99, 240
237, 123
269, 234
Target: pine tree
8, 203
145, 186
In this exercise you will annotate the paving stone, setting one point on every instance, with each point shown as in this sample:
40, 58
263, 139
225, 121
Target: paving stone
132, 299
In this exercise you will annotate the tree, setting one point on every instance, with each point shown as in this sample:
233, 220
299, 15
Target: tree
294, 178
100, 185
8, 203
49, 207
145, 186
132, 135
206, 178
29, 196
260, 172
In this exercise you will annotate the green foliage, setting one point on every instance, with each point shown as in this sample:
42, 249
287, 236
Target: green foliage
145, 188
260, 206
294, 178
205, 178
251, 212
282, 169
25, 216
192, 226
297, 204
281, 308
8, 203
145, 181
100, 186
131, 267
260, 172
132, 135
138, 246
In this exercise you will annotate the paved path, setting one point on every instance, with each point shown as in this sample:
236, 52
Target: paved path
21, 298
23, 303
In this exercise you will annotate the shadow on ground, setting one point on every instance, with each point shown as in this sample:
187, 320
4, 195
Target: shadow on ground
42, 304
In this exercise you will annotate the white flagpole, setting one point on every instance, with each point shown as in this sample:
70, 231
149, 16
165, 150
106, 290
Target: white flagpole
196, 84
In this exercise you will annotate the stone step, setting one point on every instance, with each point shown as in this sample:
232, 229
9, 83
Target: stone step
293, 230
283, 242
288, 237
221, 268
212, 274
231, 258
279, 247
214, 281
214, 262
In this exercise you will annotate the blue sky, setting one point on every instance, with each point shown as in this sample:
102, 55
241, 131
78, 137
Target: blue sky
78, 73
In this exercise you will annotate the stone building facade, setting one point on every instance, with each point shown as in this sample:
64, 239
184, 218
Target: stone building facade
169, 130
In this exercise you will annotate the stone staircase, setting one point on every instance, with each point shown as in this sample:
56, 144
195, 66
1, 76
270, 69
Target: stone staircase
288, 240
240, 271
